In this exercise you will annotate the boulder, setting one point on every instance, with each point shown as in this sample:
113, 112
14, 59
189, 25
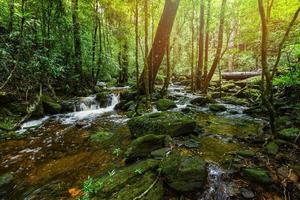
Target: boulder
203, 100
50, 106
217, 108
103, 98
170, 123
143, 146
257, 175
234, 100
289, 133
165, 104
272, 148
160, 153
184, 173
131, 181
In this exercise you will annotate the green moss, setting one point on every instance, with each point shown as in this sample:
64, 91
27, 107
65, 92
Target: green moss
289, 133
184, 173
106, 186
272, 148
234, 100
202, 100
6, 179
165, 104
101, 136
257, 175
143, 146
170, 123
50, 105
215, 149
246, 153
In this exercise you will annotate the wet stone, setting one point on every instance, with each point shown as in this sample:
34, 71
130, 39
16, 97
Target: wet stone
247, 194
165, 104
217, 108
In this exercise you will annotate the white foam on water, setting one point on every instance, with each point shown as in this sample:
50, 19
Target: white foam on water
32, 124
89, 110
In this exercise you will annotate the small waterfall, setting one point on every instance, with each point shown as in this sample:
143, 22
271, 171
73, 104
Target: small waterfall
218, 189
89, 109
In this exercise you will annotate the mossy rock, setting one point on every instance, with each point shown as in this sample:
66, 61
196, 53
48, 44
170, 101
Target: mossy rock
272, 148
217, 108
203, 100
227, 86
289, 133
103, 98
184, 173
165, 104
50, 105
6, 179
246, 153
257, 175
234, 100
131, 191
160, 153
109, 185
143, 146
249, 93
169, 123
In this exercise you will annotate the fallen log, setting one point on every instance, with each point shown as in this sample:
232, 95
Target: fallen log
239, 75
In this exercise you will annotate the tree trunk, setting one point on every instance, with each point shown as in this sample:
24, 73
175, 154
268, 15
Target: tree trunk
168, 72
160, 42
193, 44
94, 41
137, 42
123, 62
207, 40
199, 71
219, 47
267, 95
11, 15
76, 35
147, 76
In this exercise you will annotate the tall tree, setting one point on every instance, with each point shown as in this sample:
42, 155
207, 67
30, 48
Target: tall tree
147, 76
199, 70
137, 42
207, 39
11, 15
76, 38
160, 42
219, 47
192, 46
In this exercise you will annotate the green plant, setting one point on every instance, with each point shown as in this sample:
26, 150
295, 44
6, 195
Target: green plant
117, 152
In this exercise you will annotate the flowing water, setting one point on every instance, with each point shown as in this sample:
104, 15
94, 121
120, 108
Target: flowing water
54, 154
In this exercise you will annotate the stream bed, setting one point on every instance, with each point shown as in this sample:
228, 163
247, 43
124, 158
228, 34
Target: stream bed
55, 154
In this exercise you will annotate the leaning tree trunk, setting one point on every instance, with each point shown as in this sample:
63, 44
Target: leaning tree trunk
160, 42
219, 48
76, 38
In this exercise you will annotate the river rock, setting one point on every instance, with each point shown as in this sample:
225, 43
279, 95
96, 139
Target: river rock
6, 179
170, 123
234, 100
184, 173
217, 108
143, 146
165, 104
127, 182
202, 100
247, 194
103, 98
50, 105
289, 133
272, 148
257, 175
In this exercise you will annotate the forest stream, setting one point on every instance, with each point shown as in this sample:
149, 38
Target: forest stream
57, 153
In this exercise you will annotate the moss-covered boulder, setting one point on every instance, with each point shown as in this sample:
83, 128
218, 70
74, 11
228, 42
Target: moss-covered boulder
5, 179
169, 123
289, 133
217, 108
165, 104
246, 153
50, 106
126, 183
202, 100
234, 100
143, 146
103, 98
272, 148
249, 93
228, 86
184, 173
257, 175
